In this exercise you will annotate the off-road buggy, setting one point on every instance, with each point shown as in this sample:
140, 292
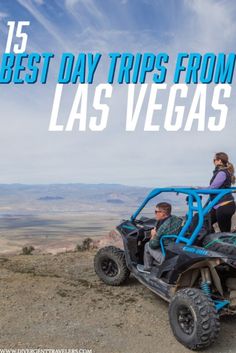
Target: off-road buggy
198, 275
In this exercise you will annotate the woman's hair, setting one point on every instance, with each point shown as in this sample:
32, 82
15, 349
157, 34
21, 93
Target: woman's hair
226, 164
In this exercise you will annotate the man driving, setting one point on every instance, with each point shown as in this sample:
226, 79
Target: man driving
167, 224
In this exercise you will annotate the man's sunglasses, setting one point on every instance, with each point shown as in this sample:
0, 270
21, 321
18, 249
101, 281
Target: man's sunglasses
158, 211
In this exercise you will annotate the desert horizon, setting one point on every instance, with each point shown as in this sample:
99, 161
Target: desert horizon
56, 217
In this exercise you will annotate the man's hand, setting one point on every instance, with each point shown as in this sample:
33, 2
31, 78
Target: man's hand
153, 233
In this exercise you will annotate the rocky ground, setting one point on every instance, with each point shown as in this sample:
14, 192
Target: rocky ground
56, 301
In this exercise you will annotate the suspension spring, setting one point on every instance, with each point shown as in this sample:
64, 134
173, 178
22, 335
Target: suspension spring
205, 287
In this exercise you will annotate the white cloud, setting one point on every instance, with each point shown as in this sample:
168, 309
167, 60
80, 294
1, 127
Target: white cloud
39, 16
39, 2
211, 24
3, 15
76, 8
114, 155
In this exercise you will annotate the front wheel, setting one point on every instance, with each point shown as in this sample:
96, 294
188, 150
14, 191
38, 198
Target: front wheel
110, 266
193, 318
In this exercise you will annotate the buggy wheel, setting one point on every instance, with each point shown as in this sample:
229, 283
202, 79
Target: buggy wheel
221, 242
193, 318
110, 266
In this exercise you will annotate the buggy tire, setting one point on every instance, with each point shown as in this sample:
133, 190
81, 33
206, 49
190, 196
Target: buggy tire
110, 266
194, 319
224, 243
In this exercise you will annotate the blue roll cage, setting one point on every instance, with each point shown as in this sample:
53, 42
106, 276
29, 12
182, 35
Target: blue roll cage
194, 196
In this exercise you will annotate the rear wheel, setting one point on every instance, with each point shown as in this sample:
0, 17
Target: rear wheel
193, 318
110, 266
221, 242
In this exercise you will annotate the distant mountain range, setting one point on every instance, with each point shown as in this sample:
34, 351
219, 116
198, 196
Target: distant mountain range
59, 215
75, 197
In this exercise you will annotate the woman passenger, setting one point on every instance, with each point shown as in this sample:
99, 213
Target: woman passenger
223, 178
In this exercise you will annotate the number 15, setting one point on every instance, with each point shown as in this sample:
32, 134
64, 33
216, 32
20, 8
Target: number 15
17, 48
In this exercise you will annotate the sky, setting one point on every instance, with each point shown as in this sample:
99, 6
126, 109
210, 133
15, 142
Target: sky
29, 153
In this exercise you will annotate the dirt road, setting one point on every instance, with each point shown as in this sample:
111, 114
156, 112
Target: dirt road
56, 301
